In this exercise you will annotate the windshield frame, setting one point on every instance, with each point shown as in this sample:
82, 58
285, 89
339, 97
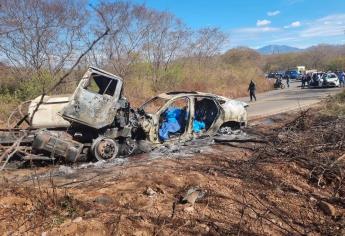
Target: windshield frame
164, 101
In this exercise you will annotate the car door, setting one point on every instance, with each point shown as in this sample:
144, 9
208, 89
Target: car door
174, 120
95, 101
207, 115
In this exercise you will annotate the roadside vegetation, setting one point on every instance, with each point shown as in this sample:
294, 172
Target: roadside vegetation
335, 106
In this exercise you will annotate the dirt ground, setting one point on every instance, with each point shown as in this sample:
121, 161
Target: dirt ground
273, 188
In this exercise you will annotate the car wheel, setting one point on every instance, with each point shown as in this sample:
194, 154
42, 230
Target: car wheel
104, 149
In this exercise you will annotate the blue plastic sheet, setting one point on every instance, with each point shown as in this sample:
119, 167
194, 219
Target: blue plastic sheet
198, 126
171, 124
174, 121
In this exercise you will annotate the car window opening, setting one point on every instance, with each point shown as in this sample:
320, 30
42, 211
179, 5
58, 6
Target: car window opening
153, 105
205, 113
101, 85
174, 120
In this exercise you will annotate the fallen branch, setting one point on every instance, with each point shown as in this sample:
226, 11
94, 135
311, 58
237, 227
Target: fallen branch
10, 152
341, 158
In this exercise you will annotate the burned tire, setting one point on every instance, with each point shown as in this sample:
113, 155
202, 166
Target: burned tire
105, 149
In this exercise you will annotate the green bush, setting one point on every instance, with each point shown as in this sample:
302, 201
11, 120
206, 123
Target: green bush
34, 87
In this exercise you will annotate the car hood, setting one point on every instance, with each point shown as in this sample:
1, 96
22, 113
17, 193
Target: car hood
331, 79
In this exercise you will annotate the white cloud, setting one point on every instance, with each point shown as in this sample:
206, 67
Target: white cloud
329, 29
257, 30
262, 23
294, 24
332, 25
273, 13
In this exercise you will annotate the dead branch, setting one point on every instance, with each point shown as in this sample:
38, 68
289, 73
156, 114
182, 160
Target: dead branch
68, 72
10, 151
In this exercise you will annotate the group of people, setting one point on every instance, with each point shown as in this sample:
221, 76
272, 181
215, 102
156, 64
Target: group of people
305, 78
310, 78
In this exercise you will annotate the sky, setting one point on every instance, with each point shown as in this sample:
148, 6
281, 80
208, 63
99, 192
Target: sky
256, 23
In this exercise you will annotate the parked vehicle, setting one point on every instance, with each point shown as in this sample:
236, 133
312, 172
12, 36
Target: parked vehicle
293, 74
271, 75
330, 80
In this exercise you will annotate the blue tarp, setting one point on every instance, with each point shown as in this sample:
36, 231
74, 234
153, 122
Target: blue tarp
175, 118
198, 126
171, 123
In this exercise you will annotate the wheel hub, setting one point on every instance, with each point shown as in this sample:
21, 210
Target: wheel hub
105, 149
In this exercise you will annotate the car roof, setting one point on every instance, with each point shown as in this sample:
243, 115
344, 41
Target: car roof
178, 94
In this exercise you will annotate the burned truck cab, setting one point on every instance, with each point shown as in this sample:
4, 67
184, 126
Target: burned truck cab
99, 119
95, 102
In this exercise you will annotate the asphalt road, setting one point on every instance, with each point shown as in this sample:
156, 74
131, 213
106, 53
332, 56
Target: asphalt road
284, 100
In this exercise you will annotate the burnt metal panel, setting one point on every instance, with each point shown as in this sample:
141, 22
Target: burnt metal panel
93, 109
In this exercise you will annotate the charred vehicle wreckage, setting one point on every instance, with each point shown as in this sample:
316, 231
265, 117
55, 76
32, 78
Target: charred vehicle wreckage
97, 122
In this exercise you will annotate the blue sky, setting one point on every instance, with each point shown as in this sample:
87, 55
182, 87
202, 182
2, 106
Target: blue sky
256, 23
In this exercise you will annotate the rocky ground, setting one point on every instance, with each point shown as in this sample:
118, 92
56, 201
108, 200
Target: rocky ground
291, 185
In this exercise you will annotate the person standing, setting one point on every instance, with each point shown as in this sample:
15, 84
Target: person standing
288, 81
341, 79
303, 81
252, 89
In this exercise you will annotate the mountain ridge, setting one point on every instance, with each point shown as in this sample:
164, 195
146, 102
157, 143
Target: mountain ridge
277, 49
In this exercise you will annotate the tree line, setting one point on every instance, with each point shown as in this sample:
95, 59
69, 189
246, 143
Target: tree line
41, 38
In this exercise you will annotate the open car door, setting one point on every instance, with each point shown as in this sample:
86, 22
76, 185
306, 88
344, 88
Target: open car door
95, 101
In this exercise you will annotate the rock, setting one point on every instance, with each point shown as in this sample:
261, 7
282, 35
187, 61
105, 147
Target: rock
192, 195
205, 227
44, 234
327, 208
77, 220
312, 199
104, 200
150, 192
191, 198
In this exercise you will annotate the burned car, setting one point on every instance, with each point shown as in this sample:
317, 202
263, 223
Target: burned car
97, 122
186, 115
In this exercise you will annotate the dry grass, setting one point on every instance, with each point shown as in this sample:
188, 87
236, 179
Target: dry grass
335, 106
218, 78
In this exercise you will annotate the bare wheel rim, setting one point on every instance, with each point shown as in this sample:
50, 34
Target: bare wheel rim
105, 149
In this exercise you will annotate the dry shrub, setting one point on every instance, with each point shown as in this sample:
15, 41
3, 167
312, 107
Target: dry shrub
212, 77
36, 208
335, 106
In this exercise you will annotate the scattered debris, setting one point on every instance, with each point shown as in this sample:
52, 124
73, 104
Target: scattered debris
150, 192
327, 208
193, 194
